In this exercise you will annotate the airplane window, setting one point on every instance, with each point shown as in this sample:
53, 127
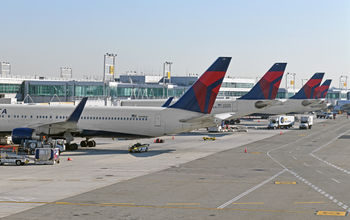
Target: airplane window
50, 116
31, 116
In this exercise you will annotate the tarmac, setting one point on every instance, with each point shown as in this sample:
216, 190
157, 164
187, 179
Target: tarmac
294, 174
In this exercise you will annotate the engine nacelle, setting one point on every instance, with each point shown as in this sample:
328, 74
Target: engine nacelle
21, 134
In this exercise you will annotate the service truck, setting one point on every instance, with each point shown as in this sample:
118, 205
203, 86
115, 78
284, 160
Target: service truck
281, 121
306, 122
48, 156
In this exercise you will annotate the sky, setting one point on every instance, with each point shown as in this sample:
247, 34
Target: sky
39, 36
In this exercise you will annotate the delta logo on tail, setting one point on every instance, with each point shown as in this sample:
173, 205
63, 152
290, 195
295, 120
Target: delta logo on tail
308, 91
268, 85
322, 90
201, 96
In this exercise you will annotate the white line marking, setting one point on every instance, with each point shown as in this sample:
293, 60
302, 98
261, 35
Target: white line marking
305, 164
251, 190
326, 144
294, 158
304, 180
337, 181
320, 172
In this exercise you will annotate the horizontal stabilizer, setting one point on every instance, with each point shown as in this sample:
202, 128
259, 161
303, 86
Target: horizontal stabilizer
167, 103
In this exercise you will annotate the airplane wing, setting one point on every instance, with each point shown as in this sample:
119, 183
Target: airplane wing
223, 116
70, 125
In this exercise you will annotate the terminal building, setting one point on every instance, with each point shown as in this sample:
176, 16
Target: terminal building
42, 90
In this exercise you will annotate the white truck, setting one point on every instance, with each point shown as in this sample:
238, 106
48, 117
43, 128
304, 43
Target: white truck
306, 122
281, 121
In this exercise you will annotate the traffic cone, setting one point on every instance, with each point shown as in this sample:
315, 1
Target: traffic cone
245, 150
281, 133
173, 137
69, 159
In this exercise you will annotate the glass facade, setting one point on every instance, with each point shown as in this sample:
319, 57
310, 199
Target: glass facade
237, 85
232, 93
46, 90
145, 92
88, 90
10, 88
332, 95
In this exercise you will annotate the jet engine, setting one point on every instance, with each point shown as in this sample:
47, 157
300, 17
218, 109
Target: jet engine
21, 134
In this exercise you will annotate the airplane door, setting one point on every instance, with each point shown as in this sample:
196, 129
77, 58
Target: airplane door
157, 121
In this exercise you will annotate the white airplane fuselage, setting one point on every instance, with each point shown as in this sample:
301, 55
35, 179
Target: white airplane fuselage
295, 106
101, 121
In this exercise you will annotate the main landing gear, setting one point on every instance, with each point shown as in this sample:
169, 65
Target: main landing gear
71, 147
88, 143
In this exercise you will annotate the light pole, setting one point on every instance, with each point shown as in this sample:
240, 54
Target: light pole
110, 71
343, 82
166, 63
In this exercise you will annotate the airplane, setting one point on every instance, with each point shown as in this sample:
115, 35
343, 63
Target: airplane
258, 98
35, 121
303, 101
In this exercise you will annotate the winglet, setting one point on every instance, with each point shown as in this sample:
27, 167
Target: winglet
200, 97
322, 90
268, 85
167, 103
74, 117
309, 89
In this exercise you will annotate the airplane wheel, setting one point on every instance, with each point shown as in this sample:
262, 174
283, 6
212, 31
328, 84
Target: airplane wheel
90, 144
94, 143
72, 147
83, 144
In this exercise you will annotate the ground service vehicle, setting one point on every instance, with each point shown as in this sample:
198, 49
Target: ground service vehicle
321, 114
138, 148
158, 140
12, 158
306, 122
209, 138
281, 121
48, 156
